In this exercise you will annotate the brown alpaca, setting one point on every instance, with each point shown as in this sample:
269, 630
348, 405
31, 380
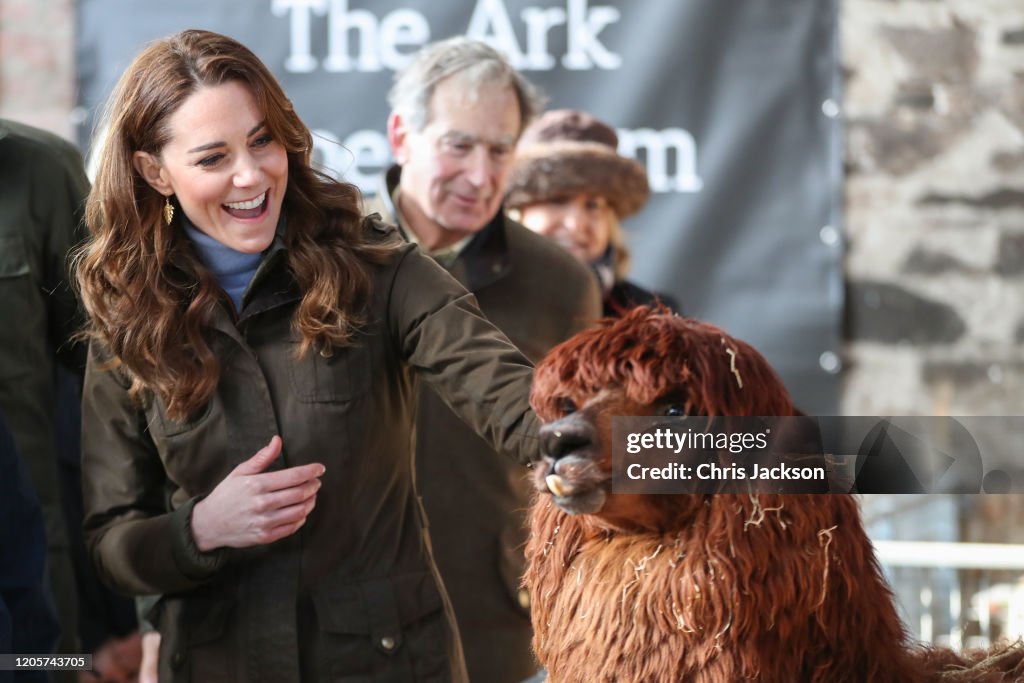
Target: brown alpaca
708, 589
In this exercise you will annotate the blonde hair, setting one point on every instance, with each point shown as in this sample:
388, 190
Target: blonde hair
616, 237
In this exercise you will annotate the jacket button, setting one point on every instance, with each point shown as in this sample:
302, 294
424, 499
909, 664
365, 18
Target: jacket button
177, 659
388, 643
524, 598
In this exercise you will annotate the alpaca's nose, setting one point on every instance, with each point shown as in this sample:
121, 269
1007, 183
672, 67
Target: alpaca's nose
562, 437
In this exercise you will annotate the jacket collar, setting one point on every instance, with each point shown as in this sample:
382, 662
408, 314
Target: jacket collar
272, 285
483, 261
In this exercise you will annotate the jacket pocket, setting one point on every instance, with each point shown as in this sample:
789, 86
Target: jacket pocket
193, 628
18, 302
13, 257
389, 629
166, 427
335, 375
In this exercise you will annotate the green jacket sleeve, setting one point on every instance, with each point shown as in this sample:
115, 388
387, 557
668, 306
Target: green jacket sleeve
462, 356
58, 207
136, 545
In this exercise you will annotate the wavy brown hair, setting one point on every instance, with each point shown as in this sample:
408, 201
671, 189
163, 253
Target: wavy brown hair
148, 296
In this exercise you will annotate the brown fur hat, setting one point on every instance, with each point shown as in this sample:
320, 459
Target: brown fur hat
565, 152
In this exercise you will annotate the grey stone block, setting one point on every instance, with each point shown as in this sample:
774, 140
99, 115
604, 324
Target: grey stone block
887, 313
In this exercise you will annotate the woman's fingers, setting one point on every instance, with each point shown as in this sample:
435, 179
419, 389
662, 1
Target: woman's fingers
261, 459
290, 496
283, 531
287, 478
293, 516
252, 506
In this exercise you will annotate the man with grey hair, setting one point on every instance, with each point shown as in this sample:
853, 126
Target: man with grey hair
456, 113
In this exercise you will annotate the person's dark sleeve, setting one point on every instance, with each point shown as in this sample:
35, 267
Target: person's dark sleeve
59, 206
138, 548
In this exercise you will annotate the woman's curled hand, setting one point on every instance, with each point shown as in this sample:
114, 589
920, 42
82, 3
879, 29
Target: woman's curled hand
253, 507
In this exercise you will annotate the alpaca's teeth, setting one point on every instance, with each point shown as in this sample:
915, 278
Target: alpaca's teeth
557, 485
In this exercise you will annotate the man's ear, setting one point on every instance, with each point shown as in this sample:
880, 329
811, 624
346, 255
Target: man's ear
398, 138
152, 171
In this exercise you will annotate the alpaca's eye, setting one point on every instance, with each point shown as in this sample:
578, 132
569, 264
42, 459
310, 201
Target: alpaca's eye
675, 411
566, 406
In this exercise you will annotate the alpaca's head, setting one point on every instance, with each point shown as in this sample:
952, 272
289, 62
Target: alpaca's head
690, 587
649, 362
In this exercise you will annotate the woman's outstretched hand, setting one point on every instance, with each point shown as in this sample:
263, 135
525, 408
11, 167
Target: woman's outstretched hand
253, 507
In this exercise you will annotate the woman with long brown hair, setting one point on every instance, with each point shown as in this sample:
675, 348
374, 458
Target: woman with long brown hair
250, 391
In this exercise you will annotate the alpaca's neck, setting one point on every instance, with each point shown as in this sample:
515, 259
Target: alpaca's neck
747, 589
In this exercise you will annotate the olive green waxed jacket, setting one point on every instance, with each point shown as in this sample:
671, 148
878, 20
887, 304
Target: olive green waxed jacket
353, 596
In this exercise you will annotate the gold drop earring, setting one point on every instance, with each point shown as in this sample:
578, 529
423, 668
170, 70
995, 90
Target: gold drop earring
168, 211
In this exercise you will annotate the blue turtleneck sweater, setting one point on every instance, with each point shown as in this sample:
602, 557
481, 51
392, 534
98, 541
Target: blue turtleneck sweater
232, 269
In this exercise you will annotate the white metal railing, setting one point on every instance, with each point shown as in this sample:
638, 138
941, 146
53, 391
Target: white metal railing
951, 555
927, 579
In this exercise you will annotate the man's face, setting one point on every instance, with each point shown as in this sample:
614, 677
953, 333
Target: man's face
454, 170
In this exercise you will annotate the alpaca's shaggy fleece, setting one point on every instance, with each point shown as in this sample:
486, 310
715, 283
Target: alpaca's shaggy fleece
709, 589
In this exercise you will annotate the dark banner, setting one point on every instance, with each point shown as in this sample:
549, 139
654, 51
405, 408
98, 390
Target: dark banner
952, 455
732, 107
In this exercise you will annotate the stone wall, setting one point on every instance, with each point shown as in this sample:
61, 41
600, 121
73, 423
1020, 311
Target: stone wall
934, 113
37, 69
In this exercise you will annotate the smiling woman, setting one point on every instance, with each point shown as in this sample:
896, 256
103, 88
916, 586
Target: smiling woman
223, 166
259, 341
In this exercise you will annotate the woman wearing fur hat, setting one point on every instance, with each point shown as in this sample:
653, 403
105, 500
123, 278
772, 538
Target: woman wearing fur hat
570, 184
